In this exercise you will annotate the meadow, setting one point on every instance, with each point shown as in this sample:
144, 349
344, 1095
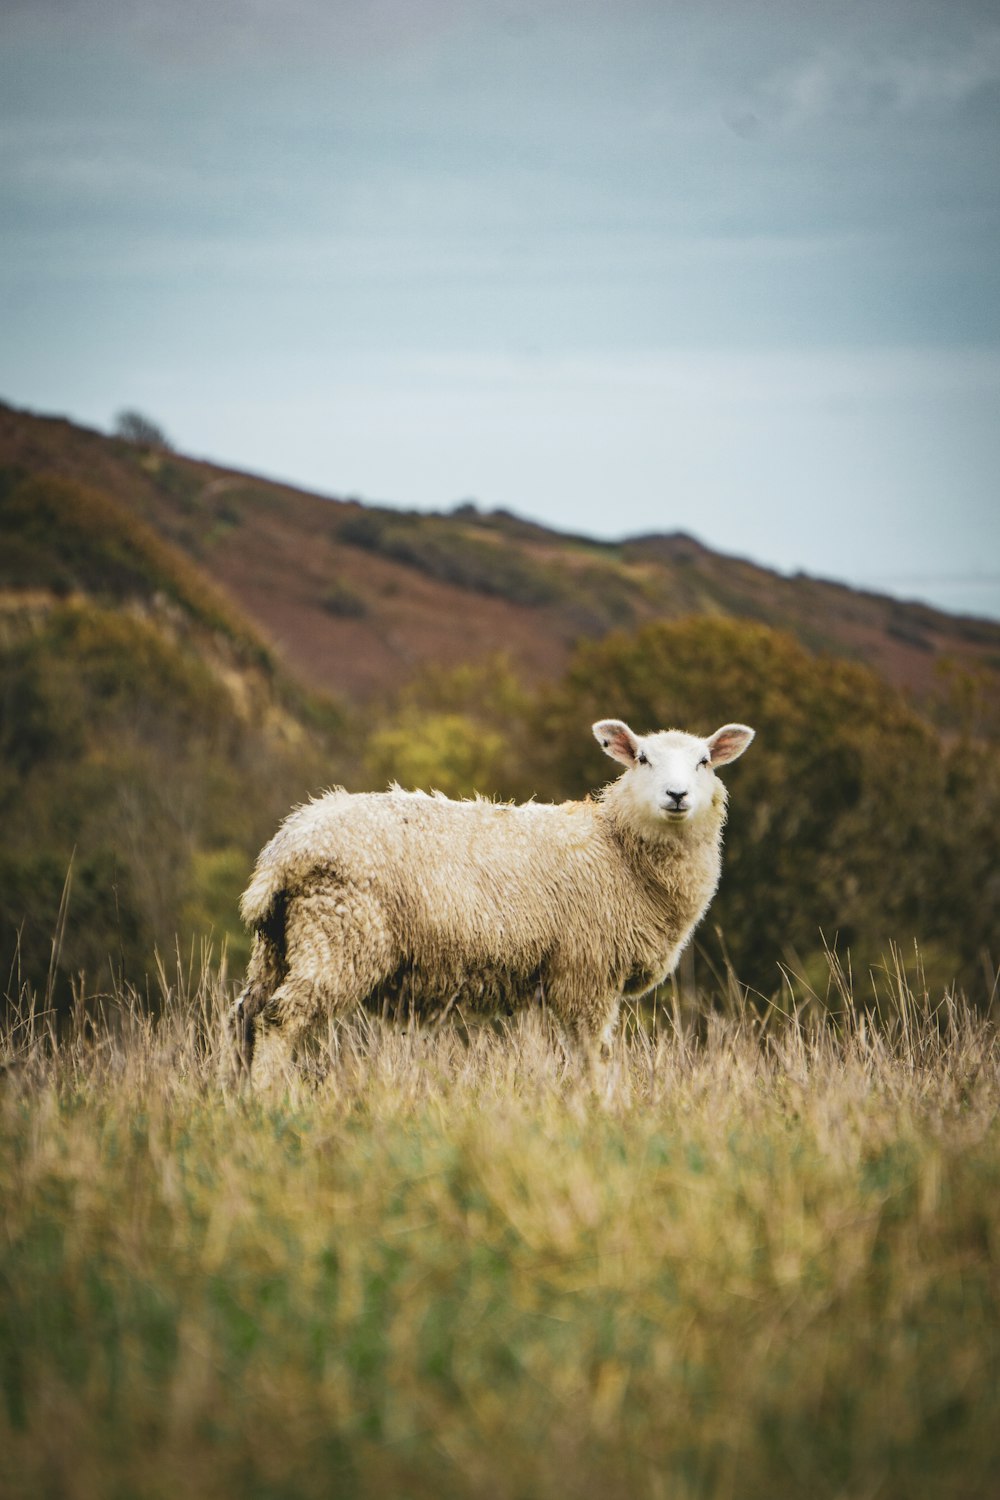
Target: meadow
758, 1258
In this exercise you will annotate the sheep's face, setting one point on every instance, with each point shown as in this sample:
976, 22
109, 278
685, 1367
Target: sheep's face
670, 776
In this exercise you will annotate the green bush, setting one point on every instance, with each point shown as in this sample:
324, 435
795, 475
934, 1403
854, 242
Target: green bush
458, 731
338, 598
849, 817
854, 823
449, 554
68, 538
125, 757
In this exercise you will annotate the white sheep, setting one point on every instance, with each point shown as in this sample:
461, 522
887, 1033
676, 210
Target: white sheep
423, 904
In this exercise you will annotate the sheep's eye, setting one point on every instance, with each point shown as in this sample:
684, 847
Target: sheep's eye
704, 761
643, 758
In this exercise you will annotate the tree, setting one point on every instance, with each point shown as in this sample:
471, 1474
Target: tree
135, 428
850, 816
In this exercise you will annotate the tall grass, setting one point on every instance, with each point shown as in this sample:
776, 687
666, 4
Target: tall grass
761, 1259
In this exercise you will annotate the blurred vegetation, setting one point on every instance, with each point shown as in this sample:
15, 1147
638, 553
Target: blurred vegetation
62, 536
136, 428
853, 823
485, 554
338, 598
446, 550
135, 776
759, 1262
149, 745
459, 732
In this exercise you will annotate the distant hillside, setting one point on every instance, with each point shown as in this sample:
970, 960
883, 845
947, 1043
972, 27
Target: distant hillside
149, 742
170, 633
356, 598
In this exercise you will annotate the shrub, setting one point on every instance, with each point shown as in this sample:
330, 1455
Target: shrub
133, 427
338, 598
843, 818
66, 537
448, 553
123, 754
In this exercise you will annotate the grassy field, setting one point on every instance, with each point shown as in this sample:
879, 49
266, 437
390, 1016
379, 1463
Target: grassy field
762, 1259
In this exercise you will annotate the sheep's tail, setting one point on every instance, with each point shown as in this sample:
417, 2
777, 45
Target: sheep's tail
287, 860
265, 972
263, 895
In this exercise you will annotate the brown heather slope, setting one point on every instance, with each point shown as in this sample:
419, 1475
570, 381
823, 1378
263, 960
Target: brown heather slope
356, 598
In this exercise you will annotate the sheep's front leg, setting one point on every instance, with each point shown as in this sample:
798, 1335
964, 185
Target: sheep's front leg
588, 1024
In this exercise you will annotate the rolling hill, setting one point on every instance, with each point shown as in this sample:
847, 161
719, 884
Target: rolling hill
355, 599
185, 651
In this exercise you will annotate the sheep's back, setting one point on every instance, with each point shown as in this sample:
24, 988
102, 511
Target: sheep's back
495, 876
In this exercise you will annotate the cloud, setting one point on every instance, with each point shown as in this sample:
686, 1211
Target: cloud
852, 84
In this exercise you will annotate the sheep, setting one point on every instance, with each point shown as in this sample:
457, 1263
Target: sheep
415, 902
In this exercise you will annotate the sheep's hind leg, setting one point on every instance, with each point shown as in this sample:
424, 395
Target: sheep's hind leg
337, 952
279, 1032
264, 974
239, 1030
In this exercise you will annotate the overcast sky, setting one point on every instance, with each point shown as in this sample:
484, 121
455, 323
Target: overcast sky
728, 267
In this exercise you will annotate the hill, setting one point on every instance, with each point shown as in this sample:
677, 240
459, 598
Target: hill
168, 629
356, 598
451, 1267
148, 742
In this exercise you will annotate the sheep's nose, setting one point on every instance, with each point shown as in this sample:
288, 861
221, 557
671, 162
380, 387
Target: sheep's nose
676, 797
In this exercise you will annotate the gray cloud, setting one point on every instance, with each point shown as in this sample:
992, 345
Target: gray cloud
932, 78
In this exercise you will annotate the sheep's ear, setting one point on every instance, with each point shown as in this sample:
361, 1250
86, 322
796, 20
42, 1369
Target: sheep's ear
729, 743
617, 740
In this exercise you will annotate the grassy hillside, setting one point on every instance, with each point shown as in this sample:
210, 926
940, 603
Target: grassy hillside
757, 1259
67, 538
148, 743
358, 598
762, 1264
151, 737
843, 814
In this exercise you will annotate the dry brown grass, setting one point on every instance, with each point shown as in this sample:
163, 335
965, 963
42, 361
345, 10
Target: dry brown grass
761, 1262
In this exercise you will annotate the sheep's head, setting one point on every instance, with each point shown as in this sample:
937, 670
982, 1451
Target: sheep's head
670, 775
